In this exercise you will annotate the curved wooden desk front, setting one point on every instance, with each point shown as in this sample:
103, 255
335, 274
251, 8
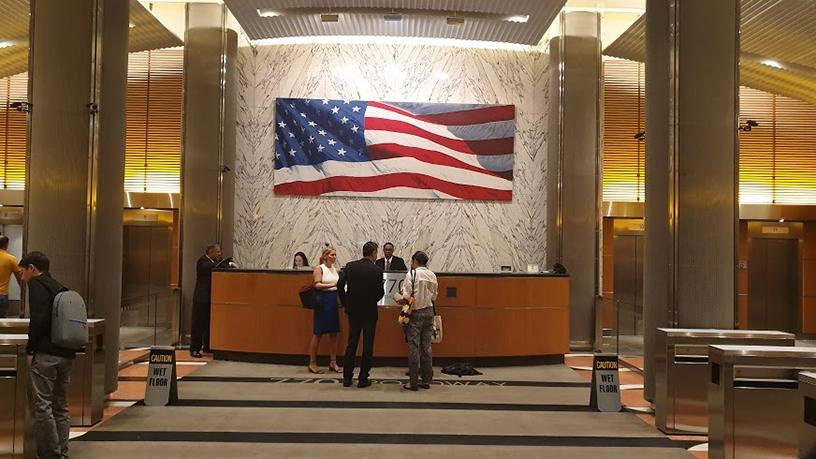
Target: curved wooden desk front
484, 316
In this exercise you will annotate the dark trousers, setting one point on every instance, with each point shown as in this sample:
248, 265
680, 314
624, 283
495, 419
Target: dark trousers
200, 326
368, 327
4, 306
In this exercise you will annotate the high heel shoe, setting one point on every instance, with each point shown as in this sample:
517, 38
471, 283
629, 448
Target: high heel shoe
315, 370
333, 367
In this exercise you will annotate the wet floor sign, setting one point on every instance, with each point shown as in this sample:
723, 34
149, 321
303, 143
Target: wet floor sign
605, 383
161, 377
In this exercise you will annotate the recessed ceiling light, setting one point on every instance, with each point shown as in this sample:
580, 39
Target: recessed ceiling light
521, 19
131, 24
268, 13
455, 20
6, 44
329, 17
771, 63
392, 17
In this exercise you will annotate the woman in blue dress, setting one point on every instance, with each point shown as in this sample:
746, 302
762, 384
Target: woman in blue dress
326, 319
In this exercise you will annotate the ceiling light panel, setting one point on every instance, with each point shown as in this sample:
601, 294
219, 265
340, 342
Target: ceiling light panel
477, 20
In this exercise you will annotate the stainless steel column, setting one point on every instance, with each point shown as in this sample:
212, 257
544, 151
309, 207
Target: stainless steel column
74, 192
573, 164
692, 49
209, 141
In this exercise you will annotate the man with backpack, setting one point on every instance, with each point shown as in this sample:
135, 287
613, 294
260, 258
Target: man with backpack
50, 364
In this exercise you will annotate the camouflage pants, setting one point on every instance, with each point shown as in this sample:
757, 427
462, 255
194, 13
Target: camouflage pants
418, 334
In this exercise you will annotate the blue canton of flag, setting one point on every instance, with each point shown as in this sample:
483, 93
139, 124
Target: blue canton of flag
311, 131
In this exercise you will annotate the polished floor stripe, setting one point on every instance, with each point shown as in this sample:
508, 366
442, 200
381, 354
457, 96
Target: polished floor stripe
332, 380
381, 439
378, 405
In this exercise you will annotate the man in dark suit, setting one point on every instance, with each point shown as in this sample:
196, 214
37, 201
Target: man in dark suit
389, 262
200, 323
360, 288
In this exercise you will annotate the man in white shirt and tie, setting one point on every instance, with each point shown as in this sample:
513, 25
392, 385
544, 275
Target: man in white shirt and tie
389, 262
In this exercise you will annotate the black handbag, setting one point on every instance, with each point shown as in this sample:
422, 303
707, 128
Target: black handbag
309, 297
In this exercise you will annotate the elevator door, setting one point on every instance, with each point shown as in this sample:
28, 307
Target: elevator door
147, 305
773, 284
628, 283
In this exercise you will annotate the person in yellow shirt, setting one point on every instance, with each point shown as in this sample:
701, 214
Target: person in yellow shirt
8, 266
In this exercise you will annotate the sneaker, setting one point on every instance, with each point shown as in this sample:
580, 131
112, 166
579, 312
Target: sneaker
425, 386
410, 387
346, 383
363, 383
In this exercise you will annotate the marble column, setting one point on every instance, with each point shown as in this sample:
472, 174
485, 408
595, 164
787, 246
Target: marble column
208, 186
573, 165
74, 191
692, 81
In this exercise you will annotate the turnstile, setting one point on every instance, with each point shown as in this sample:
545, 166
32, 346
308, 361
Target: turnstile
807, 424
15, 431
754, 409
681, 372
86, 390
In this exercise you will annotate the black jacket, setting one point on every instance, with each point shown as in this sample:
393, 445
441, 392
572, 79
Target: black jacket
397, 264
360, 288
41, 292
203, 286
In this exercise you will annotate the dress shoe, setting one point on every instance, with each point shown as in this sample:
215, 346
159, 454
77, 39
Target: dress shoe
425, 386
410, 387
346, 383
196, 354
363, 383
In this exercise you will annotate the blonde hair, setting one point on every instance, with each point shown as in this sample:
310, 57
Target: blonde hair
325, 254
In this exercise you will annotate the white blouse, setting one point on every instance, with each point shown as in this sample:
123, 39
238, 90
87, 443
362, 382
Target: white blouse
330, 276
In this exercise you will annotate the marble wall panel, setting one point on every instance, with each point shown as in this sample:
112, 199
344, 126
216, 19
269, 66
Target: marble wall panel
458, 236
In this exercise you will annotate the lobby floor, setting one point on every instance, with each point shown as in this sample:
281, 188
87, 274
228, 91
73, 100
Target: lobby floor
231, 409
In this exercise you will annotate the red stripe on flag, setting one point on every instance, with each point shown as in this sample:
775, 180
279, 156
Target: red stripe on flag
382, 182
473, 147
487, 114
392, 150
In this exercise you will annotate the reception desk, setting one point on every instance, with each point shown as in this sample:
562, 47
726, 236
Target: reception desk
257, 315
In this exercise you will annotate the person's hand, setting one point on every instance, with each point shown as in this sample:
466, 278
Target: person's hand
398, 298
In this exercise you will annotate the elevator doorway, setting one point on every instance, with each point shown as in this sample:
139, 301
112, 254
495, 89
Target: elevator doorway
628, 251
774, 265
149, 308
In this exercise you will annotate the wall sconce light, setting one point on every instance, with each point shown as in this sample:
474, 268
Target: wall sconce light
393, 17
329, 17
749, 125
455, 20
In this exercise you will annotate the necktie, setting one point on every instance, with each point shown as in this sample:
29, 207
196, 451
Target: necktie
387, 265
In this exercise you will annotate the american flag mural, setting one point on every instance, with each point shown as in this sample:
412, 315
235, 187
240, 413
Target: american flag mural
394, 149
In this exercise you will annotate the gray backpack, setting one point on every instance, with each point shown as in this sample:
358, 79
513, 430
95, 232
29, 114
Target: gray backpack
69, 321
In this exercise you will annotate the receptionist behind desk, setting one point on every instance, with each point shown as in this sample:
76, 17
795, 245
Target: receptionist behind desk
389, 262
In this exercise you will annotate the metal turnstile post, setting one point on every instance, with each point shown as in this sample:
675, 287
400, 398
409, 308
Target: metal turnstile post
15, 432
807, 426
754, 407
86, 391
681, 372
